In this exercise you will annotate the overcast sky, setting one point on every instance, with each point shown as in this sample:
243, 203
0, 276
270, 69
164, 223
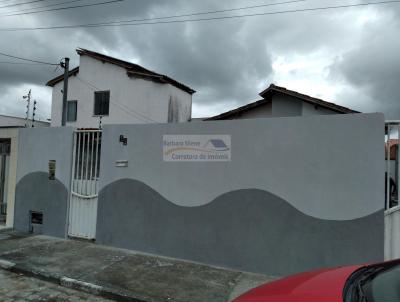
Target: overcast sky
347, 56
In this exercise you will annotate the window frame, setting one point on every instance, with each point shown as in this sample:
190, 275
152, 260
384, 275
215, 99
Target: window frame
76, 111
94, 103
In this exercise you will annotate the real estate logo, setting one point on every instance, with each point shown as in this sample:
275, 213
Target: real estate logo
197, 148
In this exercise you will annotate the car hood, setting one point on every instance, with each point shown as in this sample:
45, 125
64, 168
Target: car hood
315, 286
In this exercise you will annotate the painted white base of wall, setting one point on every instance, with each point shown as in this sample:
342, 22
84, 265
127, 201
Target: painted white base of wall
392, 233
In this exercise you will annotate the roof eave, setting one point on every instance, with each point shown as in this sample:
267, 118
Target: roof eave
129, 66
239, 110
308, 99
60, 78
161, 79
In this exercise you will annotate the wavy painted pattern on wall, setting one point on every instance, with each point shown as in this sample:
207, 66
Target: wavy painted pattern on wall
250, 230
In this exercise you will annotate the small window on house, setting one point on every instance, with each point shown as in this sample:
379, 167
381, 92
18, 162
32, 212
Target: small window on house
101, 102
72, 111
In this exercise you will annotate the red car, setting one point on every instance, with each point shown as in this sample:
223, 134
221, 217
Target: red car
360, 283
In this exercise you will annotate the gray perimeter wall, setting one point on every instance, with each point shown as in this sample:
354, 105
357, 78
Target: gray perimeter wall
328, 167
299, 193
34, 190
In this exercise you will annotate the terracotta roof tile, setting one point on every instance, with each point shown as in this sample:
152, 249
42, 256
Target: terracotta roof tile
132, 69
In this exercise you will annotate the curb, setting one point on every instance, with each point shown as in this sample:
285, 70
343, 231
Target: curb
67, 282
5, 230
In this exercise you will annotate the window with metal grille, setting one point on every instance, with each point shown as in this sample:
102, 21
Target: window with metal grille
72, 109
101, 102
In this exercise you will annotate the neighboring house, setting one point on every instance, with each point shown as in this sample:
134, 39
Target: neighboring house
17, 122
8, 171
8, 163
281, 102
113, 91
394, 144
393, 164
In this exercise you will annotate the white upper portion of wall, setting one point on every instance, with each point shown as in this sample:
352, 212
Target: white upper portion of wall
328, 167
285, 106
310, 109
132, 100
262, 111
13, 121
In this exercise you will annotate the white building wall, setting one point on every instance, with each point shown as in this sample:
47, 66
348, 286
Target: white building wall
13, 121
132, 100
259, 112
285, 106
310, 109
392, 233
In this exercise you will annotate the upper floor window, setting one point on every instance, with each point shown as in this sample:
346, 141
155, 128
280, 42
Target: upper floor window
101, 102
72, 109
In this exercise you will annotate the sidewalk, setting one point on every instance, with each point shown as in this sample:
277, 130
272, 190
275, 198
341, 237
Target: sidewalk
120, 274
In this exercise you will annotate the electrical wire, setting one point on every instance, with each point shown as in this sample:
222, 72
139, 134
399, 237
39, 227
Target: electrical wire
43, 6
212, 12
21, 3
20, 63
29, 60
63, 8
126, 23
17, 13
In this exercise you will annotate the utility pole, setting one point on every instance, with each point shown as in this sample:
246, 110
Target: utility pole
28, 105
65, 65
34, 113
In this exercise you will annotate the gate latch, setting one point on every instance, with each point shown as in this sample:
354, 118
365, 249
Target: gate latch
123, 140
52, 169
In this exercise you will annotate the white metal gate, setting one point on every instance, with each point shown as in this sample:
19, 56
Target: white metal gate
84, 184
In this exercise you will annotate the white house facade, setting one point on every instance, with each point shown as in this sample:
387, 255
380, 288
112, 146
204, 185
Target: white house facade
107, 90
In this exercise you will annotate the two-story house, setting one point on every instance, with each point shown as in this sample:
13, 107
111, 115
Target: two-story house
106, 90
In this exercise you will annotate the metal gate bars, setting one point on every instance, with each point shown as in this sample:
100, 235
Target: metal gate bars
84, 184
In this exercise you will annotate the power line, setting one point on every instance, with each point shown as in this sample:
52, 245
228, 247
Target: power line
126, 23
36, 7
17, 13
21, 3
62, 8
29, 60
214, 11
20, 63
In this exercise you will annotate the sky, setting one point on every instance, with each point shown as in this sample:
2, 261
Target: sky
349, 56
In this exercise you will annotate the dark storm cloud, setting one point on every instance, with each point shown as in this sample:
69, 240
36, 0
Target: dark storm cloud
211, 57
373, 66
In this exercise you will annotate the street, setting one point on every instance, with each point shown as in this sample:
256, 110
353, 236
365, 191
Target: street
18, 288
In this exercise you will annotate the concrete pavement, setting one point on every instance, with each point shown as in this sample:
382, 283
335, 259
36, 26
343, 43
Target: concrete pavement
18, 288
121, 274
